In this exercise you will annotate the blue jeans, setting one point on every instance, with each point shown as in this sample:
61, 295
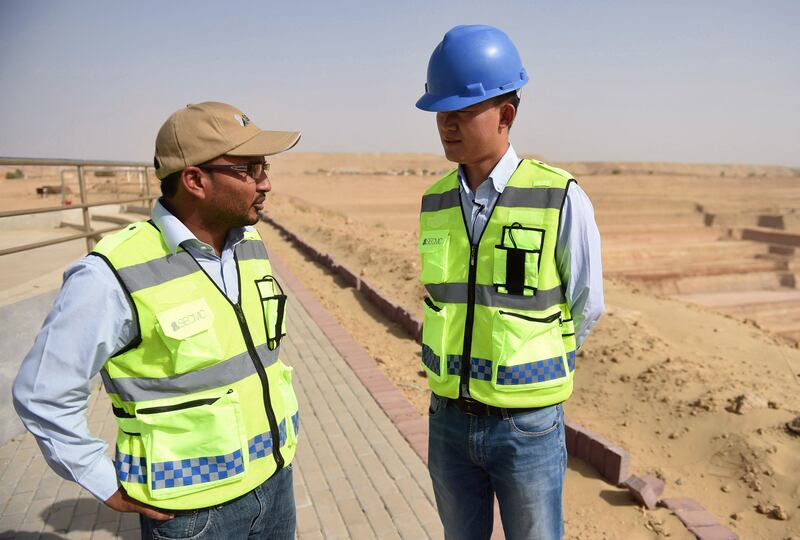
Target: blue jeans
521, 458
266, 512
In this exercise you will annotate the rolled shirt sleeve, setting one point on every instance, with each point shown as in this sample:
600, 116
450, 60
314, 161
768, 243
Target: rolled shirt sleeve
578, 260
90, 321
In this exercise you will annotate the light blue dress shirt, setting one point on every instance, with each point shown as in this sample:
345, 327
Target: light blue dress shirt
577, 244
90, 321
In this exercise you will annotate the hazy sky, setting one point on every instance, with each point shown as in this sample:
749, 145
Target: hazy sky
639, 80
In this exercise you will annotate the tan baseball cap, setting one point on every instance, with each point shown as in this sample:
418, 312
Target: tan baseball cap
203, 131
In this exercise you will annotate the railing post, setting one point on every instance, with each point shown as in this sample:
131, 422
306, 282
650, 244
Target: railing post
63, 187
87, 220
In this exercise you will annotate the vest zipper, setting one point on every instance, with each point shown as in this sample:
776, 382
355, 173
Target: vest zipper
251, 349
467, 354
548, 319
262, 374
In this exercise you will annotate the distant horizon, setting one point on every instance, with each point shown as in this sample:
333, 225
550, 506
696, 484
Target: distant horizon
713, 82
522, 154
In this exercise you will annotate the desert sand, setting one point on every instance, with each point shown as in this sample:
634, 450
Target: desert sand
693, 368
663, 377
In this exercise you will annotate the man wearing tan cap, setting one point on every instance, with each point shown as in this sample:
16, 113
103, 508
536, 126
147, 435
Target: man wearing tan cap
182, 318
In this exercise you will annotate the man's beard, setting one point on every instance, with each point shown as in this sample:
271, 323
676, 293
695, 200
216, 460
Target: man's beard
227, 220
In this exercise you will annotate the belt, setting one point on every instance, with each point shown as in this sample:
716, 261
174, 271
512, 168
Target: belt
476, 408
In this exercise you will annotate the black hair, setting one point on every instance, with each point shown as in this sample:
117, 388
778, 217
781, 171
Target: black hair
509, 97
169, 184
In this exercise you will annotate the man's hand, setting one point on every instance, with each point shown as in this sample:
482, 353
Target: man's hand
122, 502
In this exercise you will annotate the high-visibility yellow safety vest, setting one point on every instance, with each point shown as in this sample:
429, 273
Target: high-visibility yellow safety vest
205, 408
496, 317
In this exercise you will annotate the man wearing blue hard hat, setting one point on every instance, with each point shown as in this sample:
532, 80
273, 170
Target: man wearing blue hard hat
511, 263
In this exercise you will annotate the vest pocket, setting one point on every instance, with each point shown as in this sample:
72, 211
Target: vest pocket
528, 351
516, 260
273, 302
193, 445
187, 331
434, 327
289, 403
433, 248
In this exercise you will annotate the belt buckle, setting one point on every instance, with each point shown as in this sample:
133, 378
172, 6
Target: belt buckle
474, 408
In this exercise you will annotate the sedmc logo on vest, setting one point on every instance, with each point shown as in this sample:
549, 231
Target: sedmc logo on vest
186, 320
189, 319
433, 240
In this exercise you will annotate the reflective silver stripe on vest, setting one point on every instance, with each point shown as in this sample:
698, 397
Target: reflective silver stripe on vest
512, 197
441, 201
251, 249
486, 295
157, 271
227, 372
108, 382
517, 197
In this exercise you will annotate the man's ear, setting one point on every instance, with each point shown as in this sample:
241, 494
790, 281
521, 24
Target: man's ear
507, 115
194, 182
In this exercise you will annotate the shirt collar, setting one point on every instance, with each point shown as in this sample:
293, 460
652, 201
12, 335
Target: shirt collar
501, 173
175, 232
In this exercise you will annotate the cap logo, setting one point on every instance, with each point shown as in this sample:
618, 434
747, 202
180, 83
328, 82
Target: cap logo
242, 119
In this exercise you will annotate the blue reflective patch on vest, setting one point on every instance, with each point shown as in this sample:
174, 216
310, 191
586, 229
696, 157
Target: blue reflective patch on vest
532, 372
430, 359
187, 472
282, 434
453, 364
261, 445
130, 468
481, 369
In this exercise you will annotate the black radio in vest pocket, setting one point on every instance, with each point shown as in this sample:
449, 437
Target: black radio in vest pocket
515, 271
273, 302
516, 259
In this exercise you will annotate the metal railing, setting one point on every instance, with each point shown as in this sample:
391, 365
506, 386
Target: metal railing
81, 168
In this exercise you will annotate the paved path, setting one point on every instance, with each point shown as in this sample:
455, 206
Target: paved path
356, 476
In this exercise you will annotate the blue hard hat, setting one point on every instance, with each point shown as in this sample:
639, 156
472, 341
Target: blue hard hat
473, 63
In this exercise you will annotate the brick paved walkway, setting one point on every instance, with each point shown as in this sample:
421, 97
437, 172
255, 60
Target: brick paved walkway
356, 476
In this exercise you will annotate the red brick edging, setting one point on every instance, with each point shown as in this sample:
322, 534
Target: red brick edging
386, 306
608, 459
412, 426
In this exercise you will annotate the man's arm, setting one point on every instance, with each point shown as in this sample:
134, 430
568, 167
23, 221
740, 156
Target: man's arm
578, 261
90, 321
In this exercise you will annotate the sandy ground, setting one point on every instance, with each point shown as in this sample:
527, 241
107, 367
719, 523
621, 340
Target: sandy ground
659, 376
